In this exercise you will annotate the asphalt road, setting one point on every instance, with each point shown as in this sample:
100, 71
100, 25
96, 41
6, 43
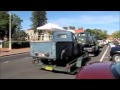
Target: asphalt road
13, 57
22, 68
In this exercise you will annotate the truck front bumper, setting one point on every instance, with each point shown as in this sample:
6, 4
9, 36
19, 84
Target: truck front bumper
90, 50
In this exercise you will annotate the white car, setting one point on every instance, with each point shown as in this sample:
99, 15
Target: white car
111, 45
100, 43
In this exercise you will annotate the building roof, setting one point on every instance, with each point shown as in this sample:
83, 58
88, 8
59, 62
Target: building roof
79, 30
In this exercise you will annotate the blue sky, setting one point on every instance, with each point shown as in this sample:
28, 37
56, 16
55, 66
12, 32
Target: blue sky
105, 20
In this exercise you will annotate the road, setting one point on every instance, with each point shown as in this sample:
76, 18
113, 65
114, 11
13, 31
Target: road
13, 57
22, 68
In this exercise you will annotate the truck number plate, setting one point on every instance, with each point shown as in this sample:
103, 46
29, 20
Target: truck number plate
49, 68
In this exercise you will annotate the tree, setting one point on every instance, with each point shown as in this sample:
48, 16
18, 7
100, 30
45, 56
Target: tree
100, 34
71, 27
20, 35
16, 23
38, 19
66, 28
89, 30
4, 20
116, 34
4, 24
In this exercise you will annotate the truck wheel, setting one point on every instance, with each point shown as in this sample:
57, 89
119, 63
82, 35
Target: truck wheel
94, 53
116, 58
97, 52
64, 55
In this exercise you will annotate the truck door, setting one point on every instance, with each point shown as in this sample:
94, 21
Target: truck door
75, 49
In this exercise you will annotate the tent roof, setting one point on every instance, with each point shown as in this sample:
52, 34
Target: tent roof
71, 31
50, 26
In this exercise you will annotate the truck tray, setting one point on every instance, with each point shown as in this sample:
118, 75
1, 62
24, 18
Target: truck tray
71, 67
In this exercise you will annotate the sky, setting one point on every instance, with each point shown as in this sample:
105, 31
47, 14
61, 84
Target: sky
105, 20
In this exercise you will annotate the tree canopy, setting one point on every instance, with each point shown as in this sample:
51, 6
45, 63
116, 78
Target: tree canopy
116, 34
4, 24
70, 27
100, 34
66, 28
38, 19
19, 35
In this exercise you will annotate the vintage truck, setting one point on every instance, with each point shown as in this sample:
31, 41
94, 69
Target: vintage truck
89, 42
61, 53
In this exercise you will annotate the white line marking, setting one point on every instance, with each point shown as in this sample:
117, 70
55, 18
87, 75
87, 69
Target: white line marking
106, 57
104, 54
6, 61
26, 58
13, 55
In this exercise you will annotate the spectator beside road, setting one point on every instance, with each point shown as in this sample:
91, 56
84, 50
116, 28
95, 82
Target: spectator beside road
115, 41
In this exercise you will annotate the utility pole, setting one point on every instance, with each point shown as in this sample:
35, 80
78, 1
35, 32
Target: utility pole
9, 31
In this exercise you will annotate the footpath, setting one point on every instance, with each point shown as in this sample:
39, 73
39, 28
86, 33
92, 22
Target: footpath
7, 52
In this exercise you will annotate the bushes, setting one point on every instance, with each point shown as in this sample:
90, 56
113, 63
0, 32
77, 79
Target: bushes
17, 44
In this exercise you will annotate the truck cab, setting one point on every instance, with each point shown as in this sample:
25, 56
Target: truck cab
89, 42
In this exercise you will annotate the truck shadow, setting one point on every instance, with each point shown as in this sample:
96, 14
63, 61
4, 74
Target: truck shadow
99, 52
76, 69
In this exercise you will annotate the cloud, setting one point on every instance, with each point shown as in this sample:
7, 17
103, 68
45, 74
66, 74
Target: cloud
86, 20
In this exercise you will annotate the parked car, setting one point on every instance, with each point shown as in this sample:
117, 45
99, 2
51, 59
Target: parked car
115, 53
100, 43
100, 70
111, 45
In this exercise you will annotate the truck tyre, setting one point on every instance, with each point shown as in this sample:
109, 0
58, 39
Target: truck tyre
64, 55
116, 58
95, 53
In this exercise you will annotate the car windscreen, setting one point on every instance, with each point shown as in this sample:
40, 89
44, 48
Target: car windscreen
116, 70
82, 34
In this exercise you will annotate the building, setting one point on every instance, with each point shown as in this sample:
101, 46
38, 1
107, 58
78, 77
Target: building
79, 30
109, 38
31, 35
44, 35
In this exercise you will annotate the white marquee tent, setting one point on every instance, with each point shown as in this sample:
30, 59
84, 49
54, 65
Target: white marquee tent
50, 26
71, 31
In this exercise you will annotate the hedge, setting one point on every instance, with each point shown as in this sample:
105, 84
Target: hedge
16, 44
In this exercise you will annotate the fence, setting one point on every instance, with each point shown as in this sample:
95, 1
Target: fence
16, 44
42, 38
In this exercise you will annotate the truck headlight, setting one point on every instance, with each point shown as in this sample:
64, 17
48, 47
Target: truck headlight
41, 54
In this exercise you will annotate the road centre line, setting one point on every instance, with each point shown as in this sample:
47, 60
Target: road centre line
104, 54
6, 61
13, 55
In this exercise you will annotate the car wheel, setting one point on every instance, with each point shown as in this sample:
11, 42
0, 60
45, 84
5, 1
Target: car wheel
116, 58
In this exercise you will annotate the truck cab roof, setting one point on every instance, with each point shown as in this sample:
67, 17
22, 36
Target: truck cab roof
63, 36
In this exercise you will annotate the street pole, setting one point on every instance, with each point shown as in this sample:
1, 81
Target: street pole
9, 31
